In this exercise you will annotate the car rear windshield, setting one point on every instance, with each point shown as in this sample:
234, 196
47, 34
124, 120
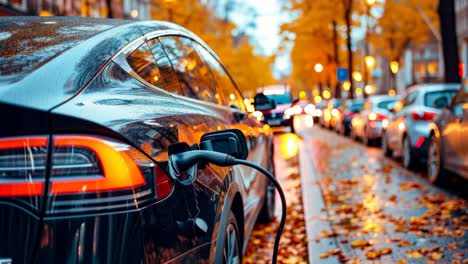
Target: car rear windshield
385, 104
439, 99
356, 107
28, 43
284, 98
337, 103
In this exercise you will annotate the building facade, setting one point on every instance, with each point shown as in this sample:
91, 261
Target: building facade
126, 9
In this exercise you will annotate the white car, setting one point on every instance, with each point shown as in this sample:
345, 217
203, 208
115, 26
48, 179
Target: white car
408, 127
367, 124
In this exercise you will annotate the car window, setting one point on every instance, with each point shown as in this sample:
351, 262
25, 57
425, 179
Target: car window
337, 103
281, 98
166, 71
194, 75
438, 99
231, 96
384, 104
460, 100
143, 63
410, 99
356, 107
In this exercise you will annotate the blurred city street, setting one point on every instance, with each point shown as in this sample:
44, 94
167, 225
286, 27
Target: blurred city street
173, 131
361, 207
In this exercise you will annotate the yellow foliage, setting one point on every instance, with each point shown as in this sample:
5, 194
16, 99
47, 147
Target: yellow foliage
249, 70
403, 23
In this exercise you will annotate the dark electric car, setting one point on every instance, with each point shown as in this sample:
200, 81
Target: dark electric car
91, 111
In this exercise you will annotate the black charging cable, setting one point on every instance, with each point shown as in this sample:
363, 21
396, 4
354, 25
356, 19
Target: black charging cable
182, 162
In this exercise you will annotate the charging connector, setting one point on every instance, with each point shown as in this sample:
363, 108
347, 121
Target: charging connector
179, 163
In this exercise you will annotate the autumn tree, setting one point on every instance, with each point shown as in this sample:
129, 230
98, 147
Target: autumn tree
211, 22
324, 27
446, 10
403, 22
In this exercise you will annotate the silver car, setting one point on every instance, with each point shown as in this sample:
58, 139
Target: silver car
448, 141
407, 129
367, 124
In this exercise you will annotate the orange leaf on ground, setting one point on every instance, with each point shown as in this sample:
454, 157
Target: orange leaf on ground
414, 254
436, 255
360, 243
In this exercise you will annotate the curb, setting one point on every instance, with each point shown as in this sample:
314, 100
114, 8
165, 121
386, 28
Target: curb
313, 204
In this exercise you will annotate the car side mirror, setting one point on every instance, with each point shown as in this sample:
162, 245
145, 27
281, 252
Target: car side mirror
230, 141
390, 108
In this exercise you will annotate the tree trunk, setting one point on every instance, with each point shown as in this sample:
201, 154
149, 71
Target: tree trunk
446, 12
348, 46
336, 58
109, 9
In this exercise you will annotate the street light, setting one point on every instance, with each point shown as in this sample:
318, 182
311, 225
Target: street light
318, 68
370, 61
134, 13
369, 4
346, 85
394, 67
357, 76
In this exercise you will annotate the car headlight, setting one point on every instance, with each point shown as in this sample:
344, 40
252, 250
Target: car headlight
258, 115
385, 123
309, 109
288, 112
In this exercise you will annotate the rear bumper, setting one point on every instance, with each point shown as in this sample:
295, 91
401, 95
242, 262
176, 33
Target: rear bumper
374, 130
278, 122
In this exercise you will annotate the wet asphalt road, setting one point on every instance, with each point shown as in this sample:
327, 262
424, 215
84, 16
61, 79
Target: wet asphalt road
361, 207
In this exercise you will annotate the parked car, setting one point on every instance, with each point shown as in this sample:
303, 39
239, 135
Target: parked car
448, 140
317, 114
281, 95
347, 112
407, 129
367, 124
91, 110
330, 113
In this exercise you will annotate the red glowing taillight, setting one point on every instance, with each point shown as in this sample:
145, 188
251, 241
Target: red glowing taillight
423, 116
349, 114
376, 116
86, 173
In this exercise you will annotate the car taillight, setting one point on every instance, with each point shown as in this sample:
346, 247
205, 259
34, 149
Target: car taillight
23, 164
88, 173
376, 116
349, 114
423, 116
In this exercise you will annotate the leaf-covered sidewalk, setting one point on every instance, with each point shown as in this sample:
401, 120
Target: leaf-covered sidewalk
379, 212
293, 245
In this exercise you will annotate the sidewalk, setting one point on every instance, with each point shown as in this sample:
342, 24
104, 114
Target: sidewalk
314, 216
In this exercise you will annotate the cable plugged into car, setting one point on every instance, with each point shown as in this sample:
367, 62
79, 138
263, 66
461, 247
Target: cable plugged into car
222, 148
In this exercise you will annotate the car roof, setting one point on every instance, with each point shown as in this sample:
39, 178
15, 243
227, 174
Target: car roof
29, 42
72, 66
429, 87
381, 97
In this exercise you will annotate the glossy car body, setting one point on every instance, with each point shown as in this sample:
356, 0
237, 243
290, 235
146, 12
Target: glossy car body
126, 92
367, 124
408, 130
346, 114
330, 113
448, 141
281, 95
